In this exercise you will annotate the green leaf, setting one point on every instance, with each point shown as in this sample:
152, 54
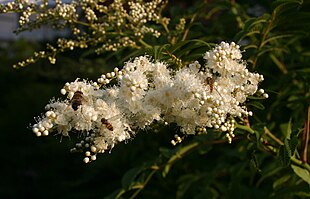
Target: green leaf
130, 176
257, 105
252, 27
284, 156
254, 162
281, 6
281, 181
269, 173
254, 46
116, 194
256, 98
157, 51
287, 148
186, 182
280, 64
166, 152
289, 129
241, 35
293, 142
302, 173
250, 23
276, 37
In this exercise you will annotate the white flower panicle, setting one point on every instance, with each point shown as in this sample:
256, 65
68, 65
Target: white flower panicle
195, 98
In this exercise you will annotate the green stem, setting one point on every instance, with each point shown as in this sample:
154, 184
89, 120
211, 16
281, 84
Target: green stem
246, 128
145, 44
165, 27
190, 25
181, 153
305, 138
144, 184
300, 163
79, 22
273, 137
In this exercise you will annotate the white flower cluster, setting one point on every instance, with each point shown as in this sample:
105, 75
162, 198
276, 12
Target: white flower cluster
195, 98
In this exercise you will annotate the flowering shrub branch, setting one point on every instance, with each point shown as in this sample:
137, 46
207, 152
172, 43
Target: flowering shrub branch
196, 98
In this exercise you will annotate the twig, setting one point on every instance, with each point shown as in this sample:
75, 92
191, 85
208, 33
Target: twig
305, 139
187, 29
273, 137
246, 128
144, 184
300, 163
145, 44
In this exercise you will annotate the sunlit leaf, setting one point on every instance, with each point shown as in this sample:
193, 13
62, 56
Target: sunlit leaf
302, 173
281, 181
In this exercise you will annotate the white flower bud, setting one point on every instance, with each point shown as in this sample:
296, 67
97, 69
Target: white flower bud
45, 133
86, 159
93, 149
223, 128
106, 81
38, 134
93, 157
35, 130
48, 113
41, 128
132, 88
63, 91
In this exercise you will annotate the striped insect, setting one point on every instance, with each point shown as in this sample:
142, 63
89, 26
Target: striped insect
77, 100
107, 122
210, 82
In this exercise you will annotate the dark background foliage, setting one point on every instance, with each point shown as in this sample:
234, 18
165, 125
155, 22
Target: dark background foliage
44, 168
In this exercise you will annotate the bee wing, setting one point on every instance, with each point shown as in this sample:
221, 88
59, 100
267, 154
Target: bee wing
115, 117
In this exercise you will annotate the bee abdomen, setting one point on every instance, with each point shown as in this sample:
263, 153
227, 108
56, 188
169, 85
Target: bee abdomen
77, 100
107, 124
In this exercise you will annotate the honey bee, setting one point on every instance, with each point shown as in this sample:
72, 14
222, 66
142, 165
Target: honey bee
210, 82
77, 100
107, 124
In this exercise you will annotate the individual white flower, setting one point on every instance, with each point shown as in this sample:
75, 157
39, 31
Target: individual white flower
160, 75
